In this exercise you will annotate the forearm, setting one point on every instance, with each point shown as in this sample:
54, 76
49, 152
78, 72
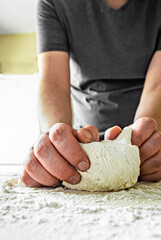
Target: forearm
150, 105
54, 105
150, 102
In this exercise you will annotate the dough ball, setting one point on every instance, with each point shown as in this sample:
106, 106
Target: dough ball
114, 164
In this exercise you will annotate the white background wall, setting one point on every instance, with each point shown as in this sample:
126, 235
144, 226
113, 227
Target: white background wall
18, 116
17, 16
18, 121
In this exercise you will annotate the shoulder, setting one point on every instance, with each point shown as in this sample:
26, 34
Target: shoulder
155, 3
45, 4
153, 8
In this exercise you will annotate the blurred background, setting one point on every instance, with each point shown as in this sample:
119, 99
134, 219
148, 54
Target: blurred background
18, 80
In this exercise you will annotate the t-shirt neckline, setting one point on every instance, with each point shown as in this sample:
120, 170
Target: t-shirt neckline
124, 6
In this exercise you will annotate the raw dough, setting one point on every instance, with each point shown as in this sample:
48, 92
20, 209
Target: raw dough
115, 164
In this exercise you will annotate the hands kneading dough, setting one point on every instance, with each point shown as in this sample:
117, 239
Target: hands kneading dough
115, 164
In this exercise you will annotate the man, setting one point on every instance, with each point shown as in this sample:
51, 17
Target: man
114, 51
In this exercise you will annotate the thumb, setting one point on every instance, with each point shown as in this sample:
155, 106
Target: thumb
87, 134
112, 133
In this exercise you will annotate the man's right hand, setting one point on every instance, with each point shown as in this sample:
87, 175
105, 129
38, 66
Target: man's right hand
56, 156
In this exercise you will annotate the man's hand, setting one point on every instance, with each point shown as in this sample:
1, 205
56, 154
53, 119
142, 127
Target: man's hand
57, 155
146, 136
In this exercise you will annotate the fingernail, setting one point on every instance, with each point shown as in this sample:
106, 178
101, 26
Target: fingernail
87, 134
74, 179
107, 133
82, 166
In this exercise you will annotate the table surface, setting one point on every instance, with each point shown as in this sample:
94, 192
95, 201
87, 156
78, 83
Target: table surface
48, 213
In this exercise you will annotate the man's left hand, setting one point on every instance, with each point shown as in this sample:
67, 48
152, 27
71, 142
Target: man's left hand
145, 136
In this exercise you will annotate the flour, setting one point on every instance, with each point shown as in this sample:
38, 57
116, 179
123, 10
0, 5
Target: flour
58, 213
115, 164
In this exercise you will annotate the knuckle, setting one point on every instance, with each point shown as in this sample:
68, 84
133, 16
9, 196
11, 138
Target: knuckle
148, 120
31, 148
157, 164
28, 155
143, 119
91, 127
24, 179
57, 131
152, 123
158, 136
143, 154
93, 130
117, 126
139, 139
24, 162
60, 125
44, 136
31, 165
40, 148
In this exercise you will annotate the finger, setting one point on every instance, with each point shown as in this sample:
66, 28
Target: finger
151, 146
87, 134
61, 136
112, 133
151, 165
28, 180
53, 162
38, 172
154, 177
143, 128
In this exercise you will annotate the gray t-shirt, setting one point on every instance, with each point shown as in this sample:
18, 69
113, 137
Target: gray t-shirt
110, 51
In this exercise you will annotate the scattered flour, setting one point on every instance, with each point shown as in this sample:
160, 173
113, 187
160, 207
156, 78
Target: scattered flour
48, 213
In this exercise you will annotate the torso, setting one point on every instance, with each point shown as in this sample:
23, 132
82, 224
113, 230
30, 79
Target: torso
110, 51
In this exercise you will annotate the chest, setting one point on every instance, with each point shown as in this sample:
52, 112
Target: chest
112, 44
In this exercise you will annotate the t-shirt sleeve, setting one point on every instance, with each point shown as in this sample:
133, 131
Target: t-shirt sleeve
51, 34
158, 42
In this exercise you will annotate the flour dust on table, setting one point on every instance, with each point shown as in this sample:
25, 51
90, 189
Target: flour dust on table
58, 213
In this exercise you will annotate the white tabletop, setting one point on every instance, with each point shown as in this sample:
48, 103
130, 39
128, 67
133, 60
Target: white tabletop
46, 213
